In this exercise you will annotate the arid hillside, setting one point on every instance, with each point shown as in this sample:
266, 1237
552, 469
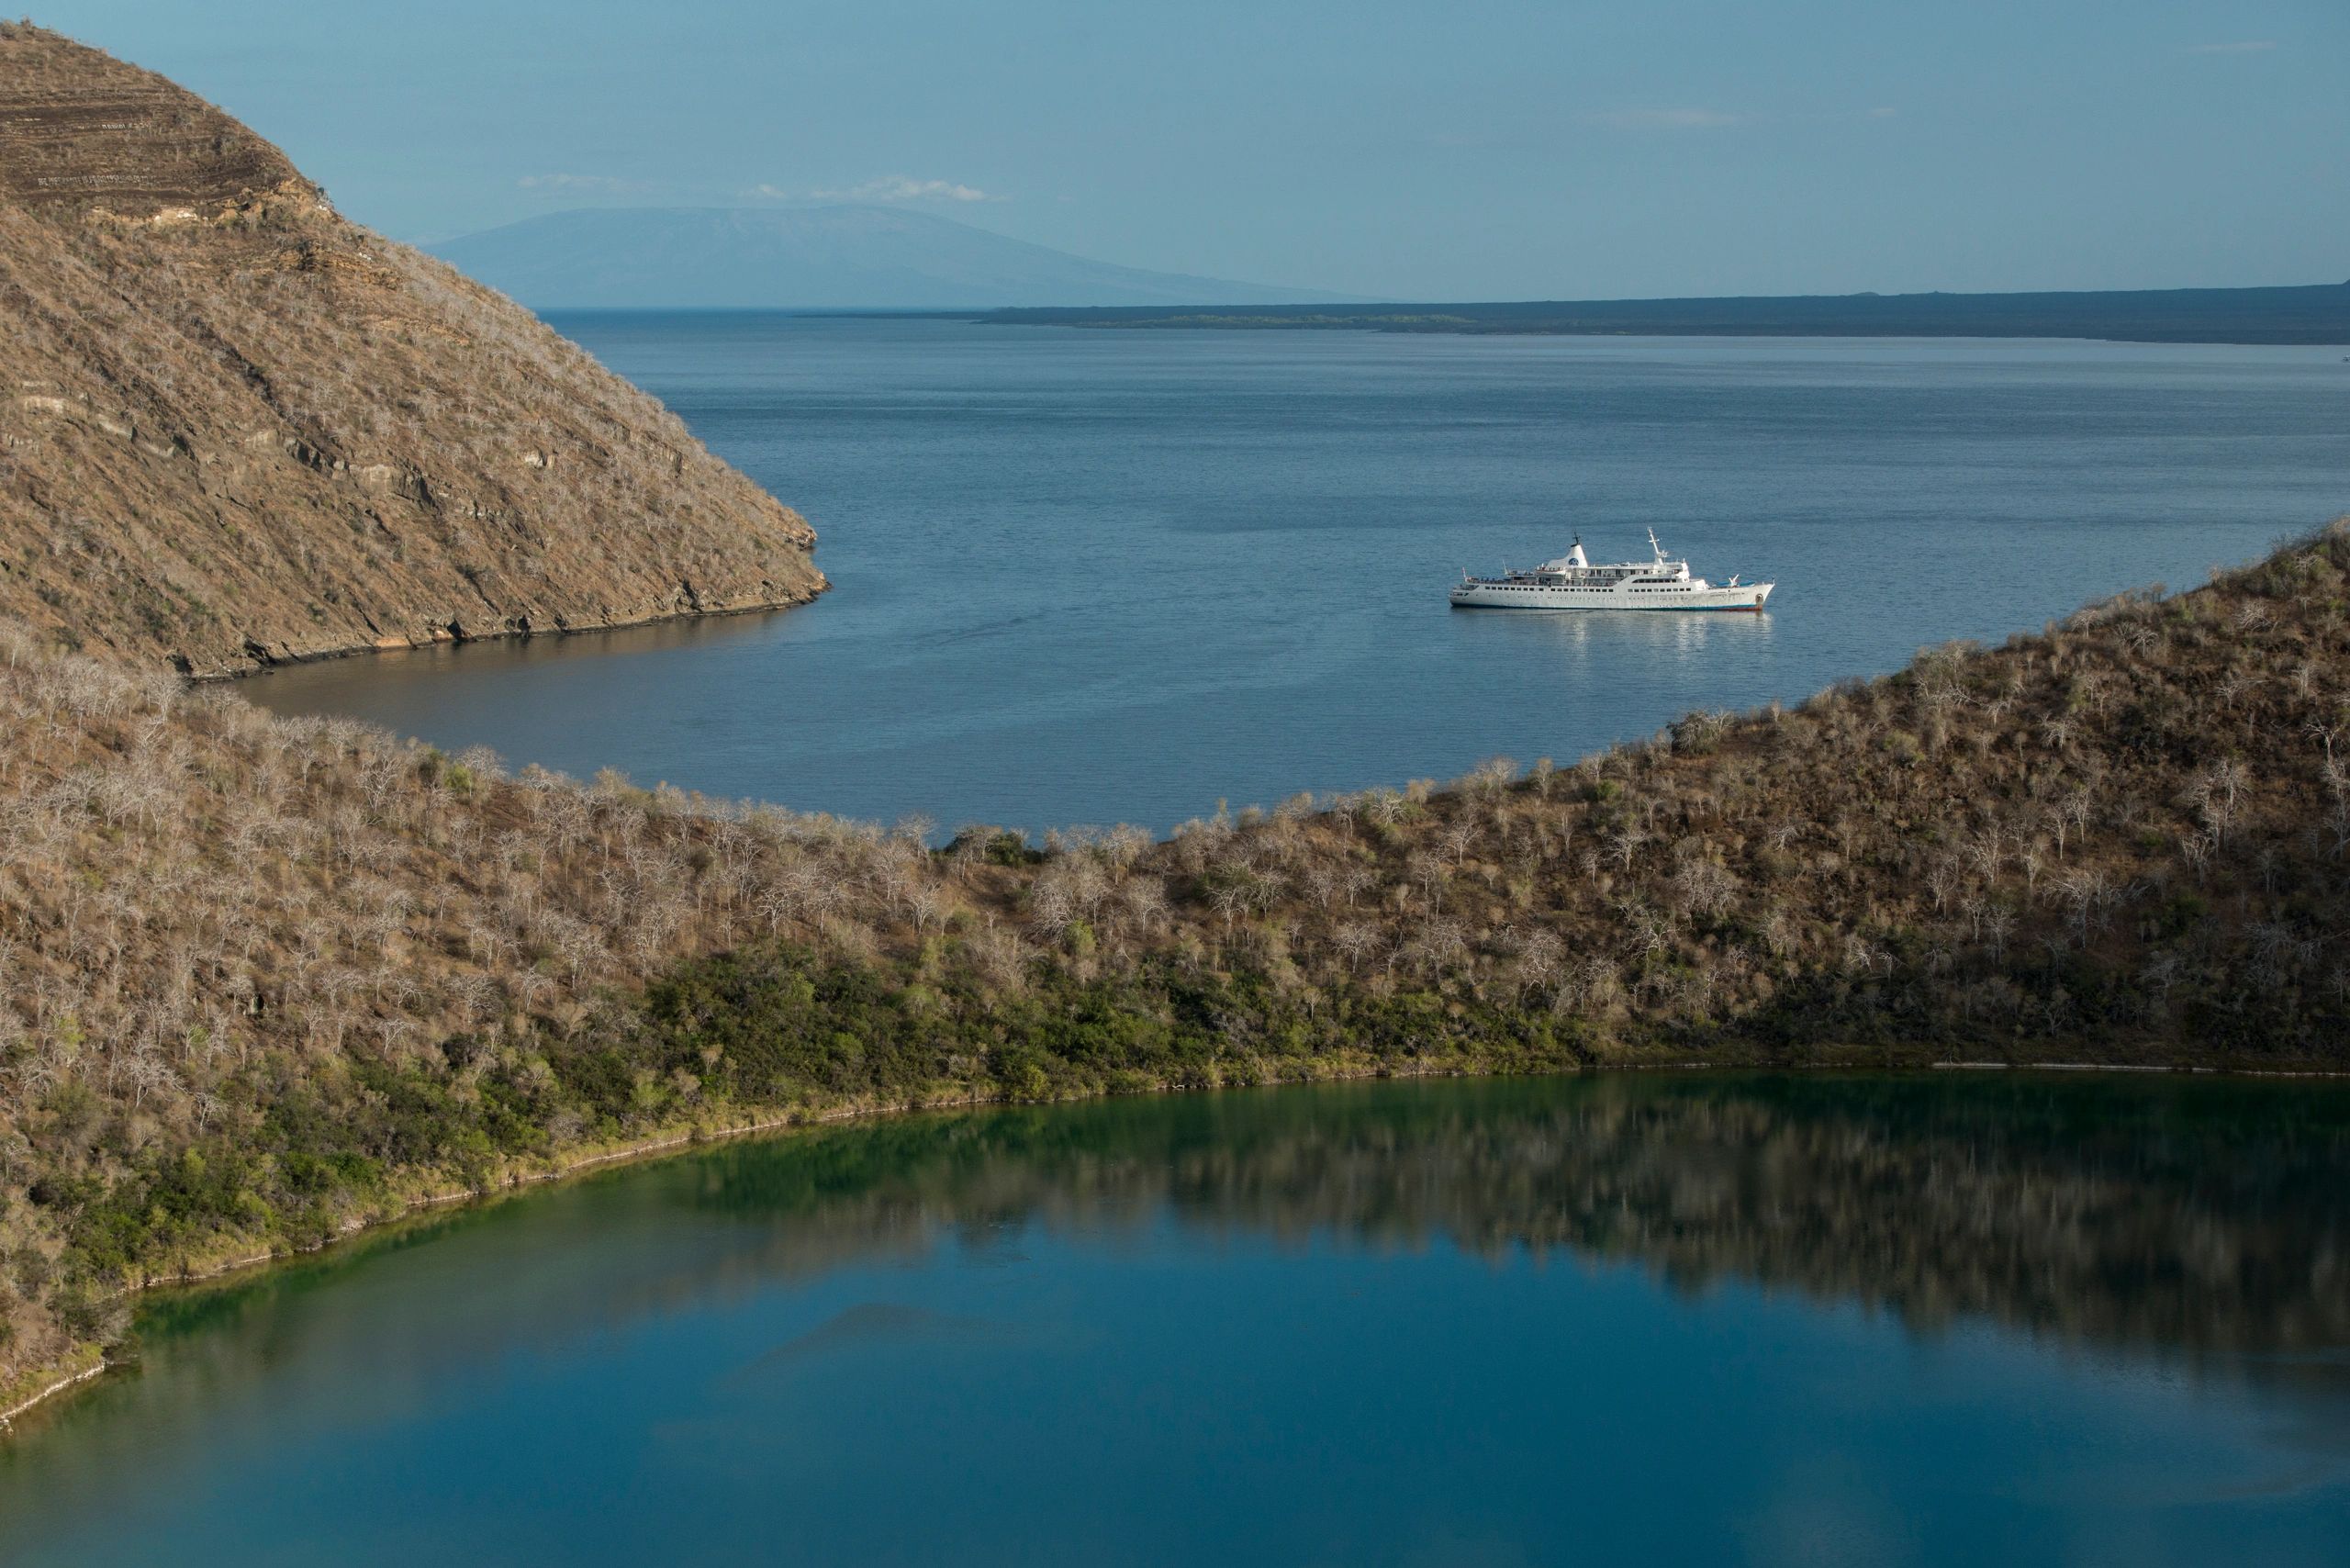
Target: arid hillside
262, 980
236, 429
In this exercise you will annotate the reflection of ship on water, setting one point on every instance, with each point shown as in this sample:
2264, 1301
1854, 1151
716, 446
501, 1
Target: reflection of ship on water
1648, 638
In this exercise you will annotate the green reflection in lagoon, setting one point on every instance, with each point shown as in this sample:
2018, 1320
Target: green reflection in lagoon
757, 1323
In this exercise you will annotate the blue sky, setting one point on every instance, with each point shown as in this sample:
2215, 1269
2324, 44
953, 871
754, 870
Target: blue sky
1438, 152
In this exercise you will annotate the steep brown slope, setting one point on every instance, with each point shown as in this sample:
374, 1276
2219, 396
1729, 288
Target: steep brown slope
235, 428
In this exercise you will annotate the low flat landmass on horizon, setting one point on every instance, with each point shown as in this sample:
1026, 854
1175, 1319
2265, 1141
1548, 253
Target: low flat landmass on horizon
2312, 313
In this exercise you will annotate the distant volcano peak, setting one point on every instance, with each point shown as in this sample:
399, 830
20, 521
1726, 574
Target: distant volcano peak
837, 256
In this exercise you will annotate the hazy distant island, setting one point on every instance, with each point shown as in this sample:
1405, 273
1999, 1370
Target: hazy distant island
837, 257
2316, 313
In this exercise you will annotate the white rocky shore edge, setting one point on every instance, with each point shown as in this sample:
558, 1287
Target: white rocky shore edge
60, 1386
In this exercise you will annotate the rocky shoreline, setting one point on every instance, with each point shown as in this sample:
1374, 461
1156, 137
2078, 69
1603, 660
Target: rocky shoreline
282, 654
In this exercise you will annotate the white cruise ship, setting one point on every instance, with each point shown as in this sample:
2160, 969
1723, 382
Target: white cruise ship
1571, 582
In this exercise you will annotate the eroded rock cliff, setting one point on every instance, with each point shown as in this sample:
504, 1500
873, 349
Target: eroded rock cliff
236, 429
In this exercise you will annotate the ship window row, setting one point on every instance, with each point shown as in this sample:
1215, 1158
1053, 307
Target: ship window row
1537, 588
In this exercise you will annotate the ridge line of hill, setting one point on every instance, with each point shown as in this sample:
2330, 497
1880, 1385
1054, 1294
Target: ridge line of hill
264, 979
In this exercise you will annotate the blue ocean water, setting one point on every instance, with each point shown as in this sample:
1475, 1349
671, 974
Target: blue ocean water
1094, 577
1667, 1319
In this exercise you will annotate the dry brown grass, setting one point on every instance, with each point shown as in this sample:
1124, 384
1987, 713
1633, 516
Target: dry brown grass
2122, 839
235, 428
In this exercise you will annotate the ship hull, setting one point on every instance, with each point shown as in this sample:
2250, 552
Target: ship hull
1512, 595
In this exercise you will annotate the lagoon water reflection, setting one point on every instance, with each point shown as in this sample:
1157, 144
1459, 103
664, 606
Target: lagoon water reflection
1666, 1319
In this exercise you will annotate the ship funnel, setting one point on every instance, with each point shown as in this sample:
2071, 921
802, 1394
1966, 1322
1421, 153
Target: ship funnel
1575, 556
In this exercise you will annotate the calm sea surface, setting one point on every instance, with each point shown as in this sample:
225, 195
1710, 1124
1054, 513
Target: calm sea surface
1092, 577
1817, 1320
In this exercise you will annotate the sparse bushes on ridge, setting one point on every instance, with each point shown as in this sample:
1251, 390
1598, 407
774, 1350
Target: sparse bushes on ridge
260, 978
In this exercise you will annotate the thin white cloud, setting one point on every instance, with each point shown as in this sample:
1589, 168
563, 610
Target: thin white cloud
901, 187
1664, 120
1710, 119
595, 184
1493, 138
2244, 46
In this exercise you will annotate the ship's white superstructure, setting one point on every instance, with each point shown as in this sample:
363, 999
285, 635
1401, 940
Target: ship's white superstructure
1572, 582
